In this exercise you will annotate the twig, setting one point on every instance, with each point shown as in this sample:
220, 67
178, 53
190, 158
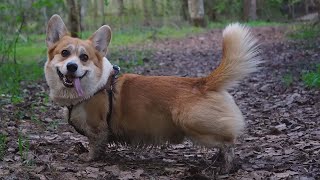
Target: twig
17, 38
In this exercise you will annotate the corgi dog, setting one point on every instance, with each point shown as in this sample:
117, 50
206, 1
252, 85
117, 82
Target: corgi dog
145, 110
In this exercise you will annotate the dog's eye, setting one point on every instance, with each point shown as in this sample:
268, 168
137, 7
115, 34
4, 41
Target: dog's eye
83, 57
65, 53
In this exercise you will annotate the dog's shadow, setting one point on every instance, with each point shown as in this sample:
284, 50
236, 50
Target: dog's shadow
186, 159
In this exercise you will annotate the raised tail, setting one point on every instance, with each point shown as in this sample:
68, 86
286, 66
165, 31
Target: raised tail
240, 57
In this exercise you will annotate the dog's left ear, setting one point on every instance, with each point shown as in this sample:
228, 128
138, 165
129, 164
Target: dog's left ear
101, 39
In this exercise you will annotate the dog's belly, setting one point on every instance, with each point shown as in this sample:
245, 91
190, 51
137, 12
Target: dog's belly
146, 131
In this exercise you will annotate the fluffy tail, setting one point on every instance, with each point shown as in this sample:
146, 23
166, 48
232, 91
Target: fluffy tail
240, 57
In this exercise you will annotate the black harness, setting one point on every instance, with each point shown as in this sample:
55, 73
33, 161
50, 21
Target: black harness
109, 87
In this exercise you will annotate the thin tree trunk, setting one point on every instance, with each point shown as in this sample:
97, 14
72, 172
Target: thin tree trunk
83, 5
121, 9
95, 14
103, 21
196, 11
317, 3
209, 10
154, 7
184, 10
74, 19
133, 8
146, 12
249, 10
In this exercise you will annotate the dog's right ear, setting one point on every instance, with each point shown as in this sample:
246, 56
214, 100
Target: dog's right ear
56, 29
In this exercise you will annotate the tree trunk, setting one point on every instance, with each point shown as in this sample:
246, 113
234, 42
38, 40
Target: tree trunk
103, 21
249, 10
317, 3
146, 12
74, 19
196, 11
95, 13
121, 10
209, 9
154, 7
184, 10
83, 5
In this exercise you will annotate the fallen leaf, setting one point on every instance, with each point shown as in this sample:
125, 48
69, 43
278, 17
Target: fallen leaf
113, 169
285, 174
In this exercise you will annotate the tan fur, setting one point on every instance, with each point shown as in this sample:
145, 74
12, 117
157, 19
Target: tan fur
160, 109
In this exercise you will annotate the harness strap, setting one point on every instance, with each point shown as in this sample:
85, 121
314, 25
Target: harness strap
116, 70
110, 84
69, 112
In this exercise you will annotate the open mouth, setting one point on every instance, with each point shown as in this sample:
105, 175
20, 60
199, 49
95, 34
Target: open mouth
69, 79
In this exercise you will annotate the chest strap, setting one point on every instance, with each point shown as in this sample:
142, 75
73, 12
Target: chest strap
109, 87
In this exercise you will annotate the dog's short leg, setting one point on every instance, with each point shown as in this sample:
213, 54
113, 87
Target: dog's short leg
226, 156
96, 149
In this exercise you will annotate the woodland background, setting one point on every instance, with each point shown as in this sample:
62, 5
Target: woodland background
165, 37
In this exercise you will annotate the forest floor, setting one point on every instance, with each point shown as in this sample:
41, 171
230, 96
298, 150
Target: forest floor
281, 141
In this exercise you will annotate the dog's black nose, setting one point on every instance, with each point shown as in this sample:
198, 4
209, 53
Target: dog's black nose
72, 67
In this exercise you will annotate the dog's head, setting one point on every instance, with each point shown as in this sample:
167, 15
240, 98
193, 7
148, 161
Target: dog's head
75, 68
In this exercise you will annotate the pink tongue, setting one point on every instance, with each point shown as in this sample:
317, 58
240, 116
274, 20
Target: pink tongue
77, 85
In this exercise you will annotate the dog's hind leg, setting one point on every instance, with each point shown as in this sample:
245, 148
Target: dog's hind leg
226, 158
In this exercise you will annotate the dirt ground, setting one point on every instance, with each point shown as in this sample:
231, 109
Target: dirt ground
281, 141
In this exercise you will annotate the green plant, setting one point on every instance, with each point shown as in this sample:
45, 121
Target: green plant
12, 74
129, 59
305, 31
287, 79
24, 146
312, 79
53, 125
3, 141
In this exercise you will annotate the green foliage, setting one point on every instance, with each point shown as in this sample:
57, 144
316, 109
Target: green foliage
24, 146
127, 59
38, 4
263, 23
305, 31
227, 10
106, 2
3, 146
287, 79
5, 50
136, 35
312, 79
11, 76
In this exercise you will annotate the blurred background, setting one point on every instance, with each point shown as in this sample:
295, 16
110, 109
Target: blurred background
23, 24
280, 102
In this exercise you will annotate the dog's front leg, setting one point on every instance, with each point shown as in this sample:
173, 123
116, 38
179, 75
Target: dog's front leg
96, 148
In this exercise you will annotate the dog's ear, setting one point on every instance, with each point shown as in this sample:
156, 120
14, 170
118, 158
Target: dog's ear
101, 39
56, 29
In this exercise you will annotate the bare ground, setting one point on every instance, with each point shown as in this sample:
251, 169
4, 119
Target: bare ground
282, 138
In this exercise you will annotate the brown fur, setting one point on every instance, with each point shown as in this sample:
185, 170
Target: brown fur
160, 109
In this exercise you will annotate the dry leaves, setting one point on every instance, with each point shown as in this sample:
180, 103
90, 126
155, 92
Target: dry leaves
282, 140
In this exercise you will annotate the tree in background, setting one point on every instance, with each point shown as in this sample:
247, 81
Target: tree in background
146, 12
102, 3
317, 2
74, 17
185, 10
249, 10
121, 9
196, 11
210, 10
